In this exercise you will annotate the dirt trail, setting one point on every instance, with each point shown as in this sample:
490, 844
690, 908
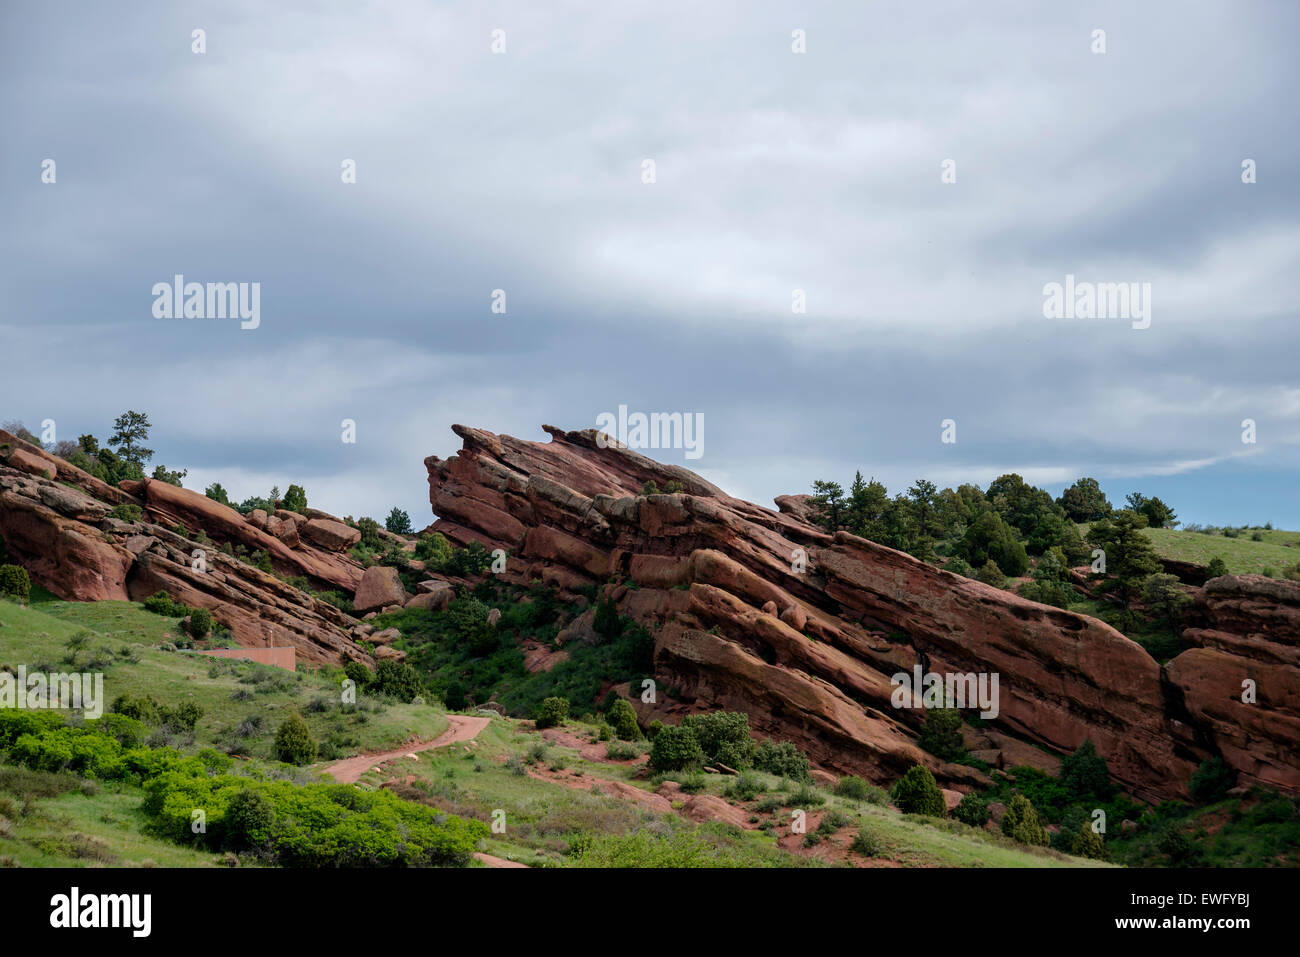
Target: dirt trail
460, 728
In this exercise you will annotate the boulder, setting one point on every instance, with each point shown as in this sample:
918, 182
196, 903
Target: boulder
330, 535
32, 464
380, 586
385, 637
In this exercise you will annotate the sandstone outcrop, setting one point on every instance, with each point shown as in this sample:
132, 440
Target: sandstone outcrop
763, 611
71, 545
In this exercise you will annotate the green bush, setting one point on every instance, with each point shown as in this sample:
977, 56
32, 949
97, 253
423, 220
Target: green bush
1084, 774
744, 787
358, 672
783, 759
398, 522
621, 751
469, 561
1211, 781
917, 792
434, 550
250, 815
972, 810
622, 718
398, 680
606, 621
295, 500
851, 787
1088, 843
160, 603
723, 736
675, 748
941, 735
553, 712
15, 583
314, 825
125, 512
293, 742
866, 843
200, 623
1217, 568
991, 574
1021, 823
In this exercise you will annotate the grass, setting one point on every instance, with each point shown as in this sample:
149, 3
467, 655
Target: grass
243, 703
1242, 555
105, 828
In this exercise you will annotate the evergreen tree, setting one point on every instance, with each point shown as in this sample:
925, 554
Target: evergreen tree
130, 432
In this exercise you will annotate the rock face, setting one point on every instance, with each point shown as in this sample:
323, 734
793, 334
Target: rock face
380, 586
69, 543
1249, 649
764, 612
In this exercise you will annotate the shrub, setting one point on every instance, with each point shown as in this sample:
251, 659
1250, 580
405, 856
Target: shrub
783, 759
553, 712
621, 751
434, 550
125, 512
295, 500
160, 603
675, 748
972, 810
358, 672
249, 818
941, 735
15, 583
622, 718
1085, 775
653, 728
607, 621
744, 787
397, 680
398, 522
293, 742
314, 825
856, 789
866, 843
1087, 843
1211, 781
200, 623
468, 561
991, 574
723, 736
1020, 823
917, 792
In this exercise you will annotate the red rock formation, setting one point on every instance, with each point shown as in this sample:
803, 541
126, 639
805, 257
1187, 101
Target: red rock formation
71, 545
1251, 646
849, 614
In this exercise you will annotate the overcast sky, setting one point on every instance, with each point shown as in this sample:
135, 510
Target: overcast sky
774, 171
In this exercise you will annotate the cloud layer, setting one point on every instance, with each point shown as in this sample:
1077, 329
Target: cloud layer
775, 171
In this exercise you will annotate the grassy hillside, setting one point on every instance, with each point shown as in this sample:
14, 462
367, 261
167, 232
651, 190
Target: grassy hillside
1243, 555
567, 802
242, 703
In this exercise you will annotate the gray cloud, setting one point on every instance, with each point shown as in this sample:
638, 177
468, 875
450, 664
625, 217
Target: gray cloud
775, 172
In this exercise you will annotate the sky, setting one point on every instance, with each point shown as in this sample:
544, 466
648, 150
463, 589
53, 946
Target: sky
523, 169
